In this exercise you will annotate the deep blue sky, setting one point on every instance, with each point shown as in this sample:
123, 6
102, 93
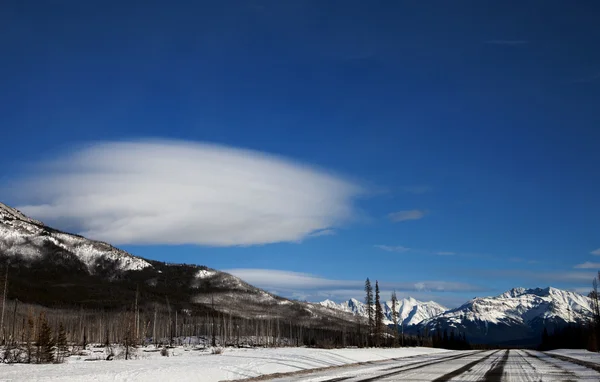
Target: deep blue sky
484, 116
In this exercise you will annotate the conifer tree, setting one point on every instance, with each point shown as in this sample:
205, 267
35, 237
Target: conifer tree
369, 304
378, 316
61, 344
395, 317
45, 342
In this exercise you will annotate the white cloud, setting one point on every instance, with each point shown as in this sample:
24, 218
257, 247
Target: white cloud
596, 252
272, 278
296, 283
324, 232
588, 265
406, 215
174, 192
575, 277
445, 253
392, 248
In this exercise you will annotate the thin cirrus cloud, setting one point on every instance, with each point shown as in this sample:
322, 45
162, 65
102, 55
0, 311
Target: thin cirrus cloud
303, 286
392, 248
299, 283
596, 252
176, 192
401, 216
587, 265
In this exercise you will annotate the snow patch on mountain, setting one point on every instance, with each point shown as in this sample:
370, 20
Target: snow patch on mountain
30, 239
205, 273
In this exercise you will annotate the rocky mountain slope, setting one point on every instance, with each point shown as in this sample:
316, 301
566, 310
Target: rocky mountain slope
56, 269
411, 311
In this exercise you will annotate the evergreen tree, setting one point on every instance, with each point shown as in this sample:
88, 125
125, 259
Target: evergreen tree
378, 316
395, 317
369, 304
445, 339
45, 342
61, 344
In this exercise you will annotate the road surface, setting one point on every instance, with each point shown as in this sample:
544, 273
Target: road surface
492, 365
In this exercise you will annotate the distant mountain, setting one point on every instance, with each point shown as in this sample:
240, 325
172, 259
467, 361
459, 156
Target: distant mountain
411, 311
517, 316
58, 269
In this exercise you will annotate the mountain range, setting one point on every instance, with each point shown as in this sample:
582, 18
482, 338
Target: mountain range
53, 268
517, 316
410, 311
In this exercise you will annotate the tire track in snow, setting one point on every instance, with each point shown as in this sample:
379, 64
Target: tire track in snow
562, 372
464, 369
495, 373
589, 365
425, 364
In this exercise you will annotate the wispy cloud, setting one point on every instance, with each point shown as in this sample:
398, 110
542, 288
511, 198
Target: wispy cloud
596, 252
507, 42
445, 253
588, 265
314, 288
546, 277
392, 248
416, 189
324, 232
175, 192
406, 215
278, 279
582, 290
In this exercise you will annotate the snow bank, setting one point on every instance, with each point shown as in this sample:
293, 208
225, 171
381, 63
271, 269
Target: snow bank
194, 365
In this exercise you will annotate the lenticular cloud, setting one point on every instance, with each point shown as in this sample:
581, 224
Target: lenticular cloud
171, 192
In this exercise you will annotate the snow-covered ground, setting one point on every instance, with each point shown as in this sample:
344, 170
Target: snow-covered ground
196, 365
579, 354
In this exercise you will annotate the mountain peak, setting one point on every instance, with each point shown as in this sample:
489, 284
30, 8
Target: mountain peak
9, 213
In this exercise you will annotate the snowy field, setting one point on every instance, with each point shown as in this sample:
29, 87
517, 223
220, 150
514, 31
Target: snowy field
195, 365
579, 354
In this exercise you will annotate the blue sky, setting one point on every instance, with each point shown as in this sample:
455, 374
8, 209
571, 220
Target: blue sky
447, 149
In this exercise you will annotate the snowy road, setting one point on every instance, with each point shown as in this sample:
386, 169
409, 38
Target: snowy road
496, 365
320, 365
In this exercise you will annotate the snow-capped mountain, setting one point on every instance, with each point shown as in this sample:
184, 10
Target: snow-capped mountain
411, 311
30, 239
517, 315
